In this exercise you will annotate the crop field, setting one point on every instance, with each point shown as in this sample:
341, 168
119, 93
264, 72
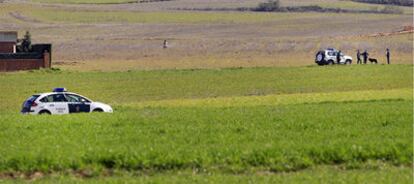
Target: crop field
235, 98
235, 125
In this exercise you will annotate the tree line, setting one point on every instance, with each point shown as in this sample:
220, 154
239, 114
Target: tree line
388, 2
274, 6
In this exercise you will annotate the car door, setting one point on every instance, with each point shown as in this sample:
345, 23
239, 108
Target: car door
77, 103
342, 58
56, 103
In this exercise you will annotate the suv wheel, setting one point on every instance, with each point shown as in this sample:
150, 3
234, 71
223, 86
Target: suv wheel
330, 62
348, 62
320, 57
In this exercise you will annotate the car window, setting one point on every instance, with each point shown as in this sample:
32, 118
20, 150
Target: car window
46, 99
30, 100
75, 98
58, 98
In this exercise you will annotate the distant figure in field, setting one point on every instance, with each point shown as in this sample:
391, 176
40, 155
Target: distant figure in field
365, 55
359, 57
165, 45
373, 60
338, 57
388, 56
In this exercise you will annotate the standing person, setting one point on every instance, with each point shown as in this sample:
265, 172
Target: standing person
359, 57
388, 56
338, 57
165, 45
365, 55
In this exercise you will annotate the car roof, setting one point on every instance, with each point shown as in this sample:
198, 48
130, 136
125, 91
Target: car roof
52, 93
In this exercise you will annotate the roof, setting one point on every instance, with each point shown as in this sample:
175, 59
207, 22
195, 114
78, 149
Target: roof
8, 36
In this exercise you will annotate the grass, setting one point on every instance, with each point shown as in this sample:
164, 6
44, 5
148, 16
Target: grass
162, 17
375, 173
83, 15
267, 124
231, 139
205, 137
340, 124
345, 97
360, 6
139, 86
331, 4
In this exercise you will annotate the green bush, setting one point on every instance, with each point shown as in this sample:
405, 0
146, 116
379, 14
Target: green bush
270, 5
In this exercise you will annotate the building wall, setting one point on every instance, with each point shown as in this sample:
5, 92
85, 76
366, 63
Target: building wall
24, 64
7, 47
8, 36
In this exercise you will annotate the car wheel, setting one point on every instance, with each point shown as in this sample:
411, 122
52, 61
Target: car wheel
330, 62
319, 57
44, 113
97, 110
348, 62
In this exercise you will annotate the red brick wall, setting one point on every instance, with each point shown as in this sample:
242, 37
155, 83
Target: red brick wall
20, 64
25, 64
6, 47
46, 60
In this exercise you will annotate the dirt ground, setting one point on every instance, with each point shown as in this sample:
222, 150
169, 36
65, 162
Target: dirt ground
279, 42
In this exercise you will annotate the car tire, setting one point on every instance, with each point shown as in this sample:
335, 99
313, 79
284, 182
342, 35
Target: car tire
348, 62
97, 110
331, 62
44, 112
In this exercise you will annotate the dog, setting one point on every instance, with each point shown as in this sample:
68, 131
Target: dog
373, 60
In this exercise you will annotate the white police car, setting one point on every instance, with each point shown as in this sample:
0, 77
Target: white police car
61, 102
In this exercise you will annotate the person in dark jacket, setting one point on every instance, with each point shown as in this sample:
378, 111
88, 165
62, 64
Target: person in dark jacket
365, 55
388, 56
359, 57
338, 57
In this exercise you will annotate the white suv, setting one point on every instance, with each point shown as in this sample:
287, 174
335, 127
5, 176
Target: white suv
328, 57
61, 102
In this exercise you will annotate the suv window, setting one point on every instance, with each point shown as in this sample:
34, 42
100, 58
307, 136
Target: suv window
75, 98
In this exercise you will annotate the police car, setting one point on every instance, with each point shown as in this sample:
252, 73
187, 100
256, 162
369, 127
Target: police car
62, 102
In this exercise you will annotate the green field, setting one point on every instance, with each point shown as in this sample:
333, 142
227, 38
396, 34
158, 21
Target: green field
235, 98
343, 124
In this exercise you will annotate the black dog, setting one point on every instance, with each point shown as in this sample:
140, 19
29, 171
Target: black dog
373, 60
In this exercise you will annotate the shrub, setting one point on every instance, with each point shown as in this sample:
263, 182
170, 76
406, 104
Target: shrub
270, 5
